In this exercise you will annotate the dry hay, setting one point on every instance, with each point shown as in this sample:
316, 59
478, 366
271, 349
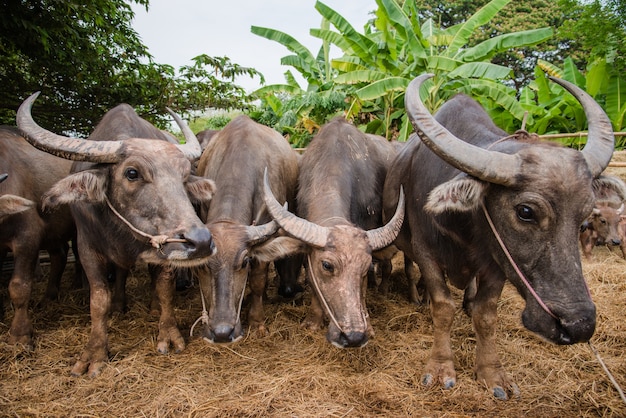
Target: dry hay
295, 372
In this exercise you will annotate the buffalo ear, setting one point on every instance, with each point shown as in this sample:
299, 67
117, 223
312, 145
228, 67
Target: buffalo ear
461, 194
12, 204
86, 186
279, 247
199, 189
609, 187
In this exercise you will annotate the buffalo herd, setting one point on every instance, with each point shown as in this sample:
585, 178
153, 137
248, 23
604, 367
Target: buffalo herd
461, 199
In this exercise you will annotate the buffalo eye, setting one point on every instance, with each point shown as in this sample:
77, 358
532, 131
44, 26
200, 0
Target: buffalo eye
328, 266
245, 263
525, 213
131, 174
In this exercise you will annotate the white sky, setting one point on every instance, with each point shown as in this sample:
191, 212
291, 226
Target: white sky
177, 31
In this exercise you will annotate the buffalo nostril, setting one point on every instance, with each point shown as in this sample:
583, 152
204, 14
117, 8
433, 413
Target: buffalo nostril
353, 339
224, 333
202, 240
617, 242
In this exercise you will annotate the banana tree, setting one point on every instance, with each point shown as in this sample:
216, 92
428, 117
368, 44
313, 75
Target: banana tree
380, 64
297, 111
554, 110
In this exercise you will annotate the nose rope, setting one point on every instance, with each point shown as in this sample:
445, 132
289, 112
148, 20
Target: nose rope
156, 241
321, 297
204, 317
515, 267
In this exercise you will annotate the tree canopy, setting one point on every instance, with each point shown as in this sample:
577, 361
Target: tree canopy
86, 58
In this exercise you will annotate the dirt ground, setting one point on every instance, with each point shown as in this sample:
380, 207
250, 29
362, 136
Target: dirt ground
293, 372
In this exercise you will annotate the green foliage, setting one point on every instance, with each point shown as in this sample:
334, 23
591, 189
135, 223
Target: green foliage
556, 111
293, 111
86, 58
381, 64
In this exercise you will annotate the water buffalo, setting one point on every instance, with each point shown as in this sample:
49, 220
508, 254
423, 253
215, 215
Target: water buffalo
131, 195
338, 225
235, 159
487, 207
602, 226
25, 229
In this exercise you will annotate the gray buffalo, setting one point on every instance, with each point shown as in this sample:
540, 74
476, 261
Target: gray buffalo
131, 195
339, 225
235, 159
486, 207
25, 229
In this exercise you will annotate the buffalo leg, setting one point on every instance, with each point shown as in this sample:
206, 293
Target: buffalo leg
169, 334
58, 261
257, 280
489, 370
95, 354
118, 301
20, 287
440, 366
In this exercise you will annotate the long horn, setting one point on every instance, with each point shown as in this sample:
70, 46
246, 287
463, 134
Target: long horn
62, 146
600, 139
260, 233
191, 148
491, 166
299, 228
381, 237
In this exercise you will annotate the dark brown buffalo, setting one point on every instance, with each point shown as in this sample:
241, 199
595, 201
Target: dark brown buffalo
461, 170
25, 229
338, 225
235, 159
130, 199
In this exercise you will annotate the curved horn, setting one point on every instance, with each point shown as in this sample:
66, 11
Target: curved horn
491, 166
191, 148
260, 233
385, 235
600, 139
62, 146
299, 228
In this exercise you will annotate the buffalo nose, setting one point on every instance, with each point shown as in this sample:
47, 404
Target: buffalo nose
616, 241
224, 333
201, 240
352, 339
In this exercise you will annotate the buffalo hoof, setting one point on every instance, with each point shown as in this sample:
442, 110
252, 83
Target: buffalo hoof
24, 341
90, 364
441, 373
503, 395
170, 336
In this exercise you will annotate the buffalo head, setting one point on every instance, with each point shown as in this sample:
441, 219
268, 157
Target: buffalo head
339, 256
146, 183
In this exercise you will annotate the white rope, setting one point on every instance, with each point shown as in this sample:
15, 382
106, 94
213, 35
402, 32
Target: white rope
156, 241
204, 317
321, 297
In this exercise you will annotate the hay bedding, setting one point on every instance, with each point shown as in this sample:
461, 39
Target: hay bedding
295, 372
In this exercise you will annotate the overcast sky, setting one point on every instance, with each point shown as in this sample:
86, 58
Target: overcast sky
175, 32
